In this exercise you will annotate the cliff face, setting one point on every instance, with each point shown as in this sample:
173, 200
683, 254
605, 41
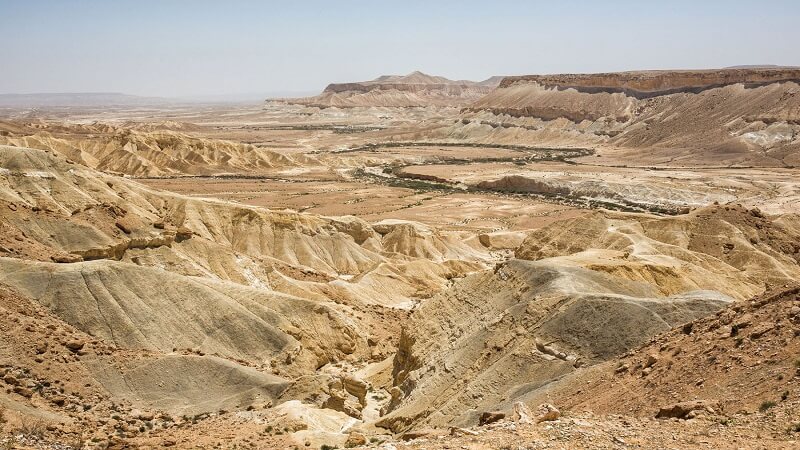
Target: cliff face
646, 84
726, 116
413, 90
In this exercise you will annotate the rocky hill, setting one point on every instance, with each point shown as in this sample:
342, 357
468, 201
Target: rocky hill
743, 358
413, 90
580, 292
147, 152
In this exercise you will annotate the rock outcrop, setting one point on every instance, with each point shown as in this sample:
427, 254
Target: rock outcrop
713, 117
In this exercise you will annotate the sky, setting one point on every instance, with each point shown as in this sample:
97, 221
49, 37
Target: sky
184, 48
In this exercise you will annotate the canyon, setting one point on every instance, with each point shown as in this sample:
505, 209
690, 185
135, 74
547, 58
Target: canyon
577, 260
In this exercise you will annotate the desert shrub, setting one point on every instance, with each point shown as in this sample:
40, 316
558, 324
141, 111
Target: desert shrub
32, 428
766, 405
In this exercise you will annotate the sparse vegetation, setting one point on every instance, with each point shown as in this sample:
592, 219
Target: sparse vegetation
513, 278
32, 428
766, 405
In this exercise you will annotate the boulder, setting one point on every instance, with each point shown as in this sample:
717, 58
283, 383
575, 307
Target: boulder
491, 417
521, 413
355, 440
682, 410
547, 412
357, 388
75, 345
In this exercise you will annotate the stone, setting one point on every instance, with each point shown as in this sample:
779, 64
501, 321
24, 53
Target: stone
411, 435
681, 410
456, 431
761, 329
521, 413
340, 400
66, 258
75, 345
122, 226
490, 417
743, 321
145, 415
546, 413
183, 233
355, 439
23, 391
357, 388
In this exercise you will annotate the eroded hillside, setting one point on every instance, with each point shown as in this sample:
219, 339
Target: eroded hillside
722, 117
560, 262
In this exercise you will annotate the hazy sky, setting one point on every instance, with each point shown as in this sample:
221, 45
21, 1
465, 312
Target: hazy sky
183, 48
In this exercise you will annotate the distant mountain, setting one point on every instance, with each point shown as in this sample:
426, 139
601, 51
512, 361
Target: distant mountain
114, 99
761, 66
77, 99
412, 90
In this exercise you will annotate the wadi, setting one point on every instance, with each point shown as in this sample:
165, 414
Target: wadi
603, 260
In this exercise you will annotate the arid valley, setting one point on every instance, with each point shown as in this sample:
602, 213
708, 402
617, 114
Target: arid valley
561, 261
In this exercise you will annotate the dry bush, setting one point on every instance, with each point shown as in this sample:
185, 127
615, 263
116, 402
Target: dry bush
76, 443
32, 428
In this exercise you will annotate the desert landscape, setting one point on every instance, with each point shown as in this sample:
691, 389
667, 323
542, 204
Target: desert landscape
418, 225
562, 261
